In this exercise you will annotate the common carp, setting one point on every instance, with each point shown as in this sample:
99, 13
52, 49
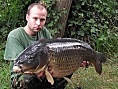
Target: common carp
62, 55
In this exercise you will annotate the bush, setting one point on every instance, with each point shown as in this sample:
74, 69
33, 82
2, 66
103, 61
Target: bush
94, 21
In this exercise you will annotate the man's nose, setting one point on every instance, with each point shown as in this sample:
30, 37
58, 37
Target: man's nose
38, 22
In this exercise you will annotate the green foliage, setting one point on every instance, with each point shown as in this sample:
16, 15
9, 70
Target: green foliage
8, 20
12, 15
107, 42
94, 21
9, 16
4, 75
88, 79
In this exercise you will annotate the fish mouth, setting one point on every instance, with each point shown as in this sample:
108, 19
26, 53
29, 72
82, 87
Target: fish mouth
19, 69
16, 69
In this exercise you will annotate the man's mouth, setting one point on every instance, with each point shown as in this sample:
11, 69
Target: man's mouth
37, 28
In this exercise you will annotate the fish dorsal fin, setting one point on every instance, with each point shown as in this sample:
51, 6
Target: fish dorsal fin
49, 77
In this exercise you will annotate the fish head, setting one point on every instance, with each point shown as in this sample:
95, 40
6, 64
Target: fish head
32, 57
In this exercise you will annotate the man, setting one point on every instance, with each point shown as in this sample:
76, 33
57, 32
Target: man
19, 38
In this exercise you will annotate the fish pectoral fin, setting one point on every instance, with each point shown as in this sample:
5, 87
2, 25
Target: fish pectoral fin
49, 77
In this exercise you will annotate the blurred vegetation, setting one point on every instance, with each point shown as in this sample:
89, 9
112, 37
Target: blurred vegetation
88, 79
94, 21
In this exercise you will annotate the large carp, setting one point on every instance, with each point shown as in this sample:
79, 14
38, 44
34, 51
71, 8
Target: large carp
62, 55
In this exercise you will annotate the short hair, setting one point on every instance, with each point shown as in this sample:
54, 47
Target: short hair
40, 6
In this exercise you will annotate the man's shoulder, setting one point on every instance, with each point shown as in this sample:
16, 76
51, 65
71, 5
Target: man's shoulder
45, 30
46, 33
16, 32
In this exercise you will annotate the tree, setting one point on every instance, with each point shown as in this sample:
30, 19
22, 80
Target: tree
62, 7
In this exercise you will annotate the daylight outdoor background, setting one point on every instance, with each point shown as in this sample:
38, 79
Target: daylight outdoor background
93, 21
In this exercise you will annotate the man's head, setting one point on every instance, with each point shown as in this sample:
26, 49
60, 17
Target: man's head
36, 17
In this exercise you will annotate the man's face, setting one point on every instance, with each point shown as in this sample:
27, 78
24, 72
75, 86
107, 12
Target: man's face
36, 19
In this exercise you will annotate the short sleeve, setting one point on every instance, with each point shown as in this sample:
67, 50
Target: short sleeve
46, 33
13, 49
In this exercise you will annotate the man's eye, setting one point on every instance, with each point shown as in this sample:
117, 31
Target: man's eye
35, 18
42, 20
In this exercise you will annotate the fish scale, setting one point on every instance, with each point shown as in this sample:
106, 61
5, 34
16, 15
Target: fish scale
62, 63
62, 55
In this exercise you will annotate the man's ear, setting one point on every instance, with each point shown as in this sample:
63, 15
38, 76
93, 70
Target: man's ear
27, 16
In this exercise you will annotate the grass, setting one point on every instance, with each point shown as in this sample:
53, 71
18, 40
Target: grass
86, 78
4, 76
89, 79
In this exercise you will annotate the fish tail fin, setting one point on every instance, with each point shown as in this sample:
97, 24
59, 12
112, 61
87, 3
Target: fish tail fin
98, 67
98, 63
